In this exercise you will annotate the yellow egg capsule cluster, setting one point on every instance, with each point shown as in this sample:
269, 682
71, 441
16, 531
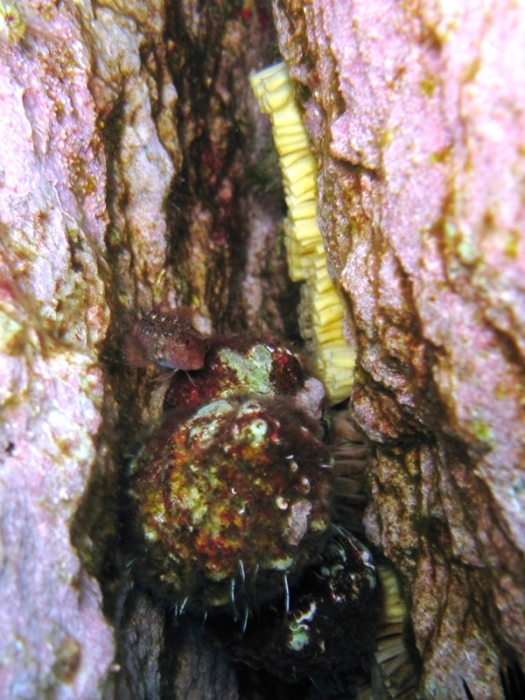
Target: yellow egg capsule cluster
321, 310
396, 667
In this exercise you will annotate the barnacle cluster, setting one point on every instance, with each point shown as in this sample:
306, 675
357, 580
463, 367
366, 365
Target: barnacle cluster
321, 310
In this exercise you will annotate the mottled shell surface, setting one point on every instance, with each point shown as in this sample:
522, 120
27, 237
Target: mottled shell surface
239, 366
232, 502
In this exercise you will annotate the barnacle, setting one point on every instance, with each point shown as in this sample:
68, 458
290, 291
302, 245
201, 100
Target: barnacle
321, 310
230, 508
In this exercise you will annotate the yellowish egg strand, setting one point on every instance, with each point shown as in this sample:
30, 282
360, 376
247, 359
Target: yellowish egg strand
395, 664
321, 310
321, 314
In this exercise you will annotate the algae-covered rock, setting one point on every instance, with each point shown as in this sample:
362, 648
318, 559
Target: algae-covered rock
125, 161
417, 117
54, 638
134, 169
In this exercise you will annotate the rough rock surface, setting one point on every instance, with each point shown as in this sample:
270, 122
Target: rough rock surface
417, 113
54, 639
129, 152
133, 169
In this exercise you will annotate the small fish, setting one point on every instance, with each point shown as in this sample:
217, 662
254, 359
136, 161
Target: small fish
167, 339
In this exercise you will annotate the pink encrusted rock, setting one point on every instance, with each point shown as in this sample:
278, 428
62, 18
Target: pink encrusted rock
418, 116
54, 638
125, 180
53, 634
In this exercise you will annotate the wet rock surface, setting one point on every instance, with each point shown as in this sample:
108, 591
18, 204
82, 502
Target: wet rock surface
101, 149
133, 170
54, 639
416, 116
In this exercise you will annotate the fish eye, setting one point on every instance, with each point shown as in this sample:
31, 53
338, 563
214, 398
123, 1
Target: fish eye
162, 362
